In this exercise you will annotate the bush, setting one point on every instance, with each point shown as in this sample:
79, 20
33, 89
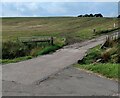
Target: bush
105, 56
14, 49
34, 51
60, 42
114, 58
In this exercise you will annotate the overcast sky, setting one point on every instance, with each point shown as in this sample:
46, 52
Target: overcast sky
44, 9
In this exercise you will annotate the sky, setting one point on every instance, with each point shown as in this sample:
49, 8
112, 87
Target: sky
60, 0
46, 9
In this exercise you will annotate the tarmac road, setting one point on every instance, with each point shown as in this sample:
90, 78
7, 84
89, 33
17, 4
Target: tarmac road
68, 82
23, 78
30, 71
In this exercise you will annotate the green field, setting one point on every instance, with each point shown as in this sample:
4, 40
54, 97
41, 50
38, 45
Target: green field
74, 29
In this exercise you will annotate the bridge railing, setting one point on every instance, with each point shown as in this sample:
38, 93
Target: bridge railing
113, 36
36, 39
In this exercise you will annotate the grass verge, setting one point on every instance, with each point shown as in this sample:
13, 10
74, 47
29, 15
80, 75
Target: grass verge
46, 50
104, 59
49, 49
6, 61
108, 69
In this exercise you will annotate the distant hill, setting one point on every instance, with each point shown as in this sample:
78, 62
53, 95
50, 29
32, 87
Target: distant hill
73, 28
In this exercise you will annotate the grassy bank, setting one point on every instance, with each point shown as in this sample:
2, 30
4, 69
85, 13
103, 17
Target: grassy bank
15, 51
37, 52
109, 70
31, 54
6, 61
104, 60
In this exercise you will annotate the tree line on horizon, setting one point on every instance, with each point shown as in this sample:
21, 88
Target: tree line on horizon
91, 15
118, 16
94, 15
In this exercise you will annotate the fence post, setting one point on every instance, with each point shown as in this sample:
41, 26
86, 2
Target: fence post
51, 40
94, 30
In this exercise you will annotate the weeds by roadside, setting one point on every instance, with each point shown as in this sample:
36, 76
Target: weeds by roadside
104, 60
15, 51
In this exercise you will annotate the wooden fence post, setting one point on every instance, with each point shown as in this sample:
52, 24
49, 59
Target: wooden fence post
51, 40
94, 30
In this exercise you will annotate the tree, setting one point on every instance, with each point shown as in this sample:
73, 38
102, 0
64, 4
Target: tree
80, 16
86, 15
98, 15
118, 16
91, 15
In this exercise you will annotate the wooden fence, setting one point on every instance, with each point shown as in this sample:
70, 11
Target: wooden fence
35, 39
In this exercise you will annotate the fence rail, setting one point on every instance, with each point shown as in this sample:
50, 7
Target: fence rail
36, 39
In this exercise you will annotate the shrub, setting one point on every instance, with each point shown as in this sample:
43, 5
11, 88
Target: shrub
105, 56
60, 42
34, 51
14, 49
114, 58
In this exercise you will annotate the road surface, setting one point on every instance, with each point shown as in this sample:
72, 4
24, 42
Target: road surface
30, 71
27, 75
68, 82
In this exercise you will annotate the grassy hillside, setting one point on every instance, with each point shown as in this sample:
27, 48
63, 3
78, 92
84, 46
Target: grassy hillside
73, 28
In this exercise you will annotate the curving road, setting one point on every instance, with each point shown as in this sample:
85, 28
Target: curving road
28, 74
